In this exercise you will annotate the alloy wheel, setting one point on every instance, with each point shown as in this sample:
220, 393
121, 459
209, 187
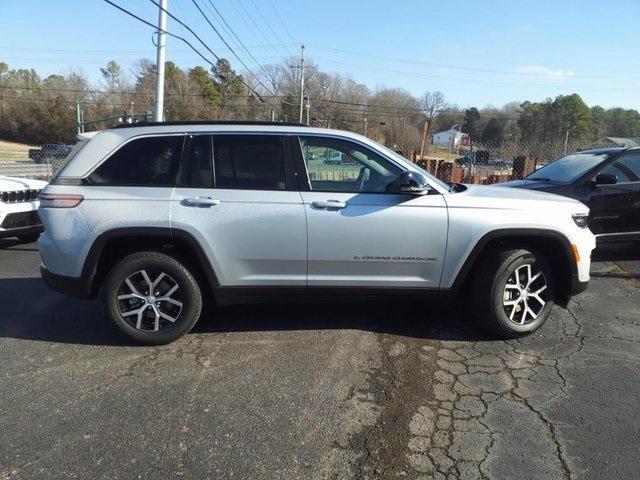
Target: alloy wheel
524, 295
149, 300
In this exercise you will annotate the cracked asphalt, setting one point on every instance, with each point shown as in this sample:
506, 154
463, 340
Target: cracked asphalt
321, 391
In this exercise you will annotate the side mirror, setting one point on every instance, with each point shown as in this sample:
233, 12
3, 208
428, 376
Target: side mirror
414, 183
605, 179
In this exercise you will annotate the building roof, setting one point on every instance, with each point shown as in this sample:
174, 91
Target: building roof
451, 130
624, 142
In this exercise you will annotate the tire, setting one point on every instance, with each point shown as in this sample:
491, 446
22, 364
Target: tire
499, 298
28, 238
151, 324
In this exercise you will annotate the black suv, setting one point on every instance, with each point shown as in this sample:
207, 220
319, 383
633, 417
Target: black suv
607, 180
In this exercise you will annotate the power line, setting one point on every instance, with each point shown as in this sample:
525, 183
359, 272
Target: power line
284, 25
255, 26
238, 41
207, 47
461, 67
155, 27
470, 80
266, 22
226, 43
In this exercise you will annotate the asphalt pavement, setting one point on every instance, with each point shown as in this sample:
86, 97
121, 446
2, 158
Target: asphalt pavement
320, 391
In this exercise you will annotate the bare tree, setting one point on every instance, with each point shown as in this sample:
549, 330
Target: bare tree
432, 104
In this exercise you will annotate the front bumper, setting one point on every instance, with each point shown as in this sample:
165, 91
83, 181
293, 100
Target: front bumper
578, 286
19, 220
78, 287
21, 232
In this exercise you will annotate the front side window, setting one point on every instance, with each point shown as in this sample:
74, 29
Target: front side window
249, 162
626, 169
336, 165
149, 161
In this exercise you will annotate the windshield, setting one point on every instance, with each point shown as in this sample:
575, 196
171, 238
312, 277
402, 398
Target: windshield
402, 159
569, 168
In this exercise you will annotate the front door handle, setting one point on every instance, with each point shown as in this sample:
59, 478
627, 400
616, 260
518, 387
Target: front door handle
329, 204
200, 202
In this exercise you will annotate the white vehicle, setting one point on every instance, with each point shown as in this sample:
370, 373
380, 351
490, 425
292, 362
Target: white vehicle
155, 215
19, 208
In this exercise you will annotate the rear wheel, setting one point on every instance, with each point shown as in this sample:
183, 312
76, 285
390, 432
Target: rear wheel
514, 292
152, 298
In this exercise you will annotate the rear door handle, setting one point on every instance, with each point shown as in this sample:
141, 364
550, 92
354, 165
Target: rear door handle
329, 204
200, 202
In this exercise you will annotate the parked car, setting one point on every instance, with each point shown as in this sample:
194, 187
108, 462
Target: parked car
606, 180
474, 157
160, 214
49, 151
332, 157
18, 208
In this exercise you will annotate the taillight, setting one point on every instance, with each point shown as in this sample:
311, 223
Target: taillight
59, 200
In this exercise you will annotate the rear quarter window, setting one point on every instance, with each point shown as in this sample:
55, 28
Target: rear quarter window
149, 161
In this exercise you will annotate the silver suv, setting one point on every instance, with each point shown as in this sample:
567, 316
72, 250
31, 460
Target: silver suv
154, 216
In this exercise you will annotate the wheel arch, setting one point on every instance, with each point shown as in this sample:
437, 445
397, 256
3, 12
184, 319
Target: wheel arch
553, 244
112, 245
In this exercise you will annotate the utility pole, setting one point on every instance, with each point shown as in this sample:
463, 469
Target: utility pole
301, 67
301, 79
365, 126
162, 43
566, 141
308, 107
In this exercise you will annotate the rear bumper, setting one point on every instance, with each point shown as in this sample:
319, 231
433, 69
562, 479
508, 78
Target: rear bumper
78, 287
22, 231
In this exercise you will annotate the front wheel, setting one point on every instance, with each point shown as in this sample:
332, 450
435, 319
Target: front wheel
514, 292
152, 298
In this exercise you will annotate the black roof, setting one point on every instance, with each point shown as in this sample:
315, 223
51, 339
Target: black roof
210, 122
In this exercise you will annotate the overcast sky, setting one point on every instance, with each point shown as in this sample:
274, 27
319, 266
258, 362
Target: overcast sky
476, 52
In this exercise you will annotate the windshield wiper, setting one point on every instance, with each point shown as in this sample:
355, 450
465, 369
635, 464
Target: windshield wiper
539, 179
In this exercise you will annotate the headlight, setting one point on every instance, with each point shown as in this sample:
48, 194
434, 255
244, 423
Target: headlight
581, 219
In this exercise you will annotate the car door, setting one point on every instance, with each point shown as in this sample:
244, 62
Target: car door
615, 208
359, 235
237, 195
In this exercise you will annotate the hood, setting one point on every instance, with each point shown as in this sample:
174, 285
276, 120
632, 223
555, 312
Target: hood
12, 184
531, 184
501, 198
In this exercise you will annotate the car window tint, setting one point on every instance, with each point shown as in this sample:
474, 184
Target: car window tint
626, 169
198, 171
151, 161
252, 162
336, 165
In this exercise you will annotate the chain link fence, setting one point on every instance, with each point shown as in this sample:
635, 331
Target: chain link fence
38, 162
489, 163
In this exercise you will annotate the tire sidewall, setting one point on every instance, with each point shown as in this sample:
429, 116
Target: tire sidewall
190, 291
497, 293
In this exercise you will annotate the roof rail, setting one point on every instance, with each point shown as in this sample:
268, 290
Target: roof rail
210, 122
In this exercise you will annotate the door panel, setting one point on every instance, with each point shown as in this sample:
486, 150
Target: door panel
251, 237
616, 208
375, 240
235, 196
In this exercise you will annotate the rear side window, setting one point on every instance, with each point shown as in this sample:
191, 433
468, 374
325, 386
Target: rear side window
251, 162
198, 171
151, 161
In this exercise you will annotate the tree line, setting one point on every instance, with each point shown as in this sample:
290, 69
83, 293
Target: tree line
37, 110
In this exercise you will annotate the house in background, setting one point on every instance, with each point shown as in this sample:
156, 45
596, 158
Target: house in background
451, 138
